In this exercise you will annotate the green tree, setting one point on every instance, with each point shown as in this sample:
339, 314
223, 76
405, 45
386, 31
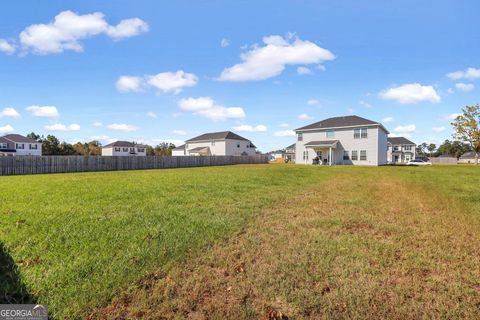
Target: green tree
467, 128
34, 136
431, 147
453, 148
50, 145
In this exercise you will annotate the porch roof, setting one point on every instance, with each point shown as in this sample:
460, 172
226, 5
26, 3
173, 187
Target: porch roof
199, 149
322, 144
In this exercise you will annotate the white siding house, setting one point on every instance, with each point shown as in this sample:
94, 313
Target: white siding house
124, 148
17, 145
400, 150
225, 143
342, 140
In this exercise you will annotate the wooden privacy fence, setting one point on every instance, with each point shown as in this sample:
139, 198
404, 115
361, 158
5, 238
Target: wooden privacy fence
443, 160
61, 164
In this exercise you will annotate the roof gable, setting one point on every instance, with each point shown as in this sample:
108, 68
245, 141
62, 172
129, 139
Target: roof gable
19, 138
338, 122
126, 144
222, 135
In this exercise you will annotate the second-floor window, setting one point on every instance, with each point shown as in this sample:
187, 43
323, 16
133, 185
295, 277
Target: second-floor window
300, 136
407, 148
141, 150
125, 149
20, 146
33, 146
396, 148
117, 149
360, 133
3, 145
330, 134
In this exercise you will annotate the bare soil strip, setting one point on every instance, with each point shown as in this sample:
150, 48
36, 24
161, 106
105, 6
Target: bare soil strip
364, 246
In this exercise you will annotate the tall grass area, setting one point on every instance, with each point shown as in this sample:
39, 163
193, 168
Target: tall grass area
80, 239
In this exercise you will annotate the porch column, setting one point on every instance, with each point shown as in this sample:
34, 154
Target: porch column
305, 155
330, 158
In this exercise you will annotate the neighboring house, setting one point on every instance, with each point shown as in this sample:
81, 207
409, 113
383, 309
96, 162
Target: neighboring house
342, 140
400, 150
124, 148
287, 154
17, 145
468, 157
225, 143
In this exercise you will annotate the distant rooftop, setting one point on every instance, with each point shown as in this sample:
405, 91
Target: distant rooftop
343, 121
222, 135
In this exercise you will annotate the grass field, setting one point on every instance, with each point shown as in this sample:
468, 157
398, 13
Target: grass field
245, 242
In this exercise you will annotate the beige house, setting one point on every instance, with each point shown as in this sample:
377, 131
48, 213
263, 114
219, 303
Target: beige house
124, 148
224, 143
400, 150
18, 145
342, 140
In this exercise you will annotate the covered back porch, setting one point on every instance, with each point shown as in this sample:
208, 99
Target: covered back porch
325, 151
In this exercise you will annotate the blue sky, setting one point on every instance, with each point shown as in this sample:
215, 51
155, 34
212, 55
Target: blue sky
166, 71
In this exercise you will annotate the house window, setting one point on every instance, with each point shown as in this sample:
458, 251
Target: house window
300, 136
330, 134
363, 155
395, 148
125, 149
141, 150
3, 145
33, 146
213, 143
360, 133
20, 146
354, 155
238, 145
305, 155
408, 148
364, 133
117, 149
132, 150
345, 155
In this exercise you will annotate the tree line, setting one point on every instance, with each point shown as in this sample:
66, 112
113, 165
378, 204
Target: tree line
51, 146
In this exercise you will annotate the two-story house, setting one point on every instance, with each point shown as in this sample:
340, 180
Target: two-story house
18, 145
400, 150
342, 140
224, 143
124, 148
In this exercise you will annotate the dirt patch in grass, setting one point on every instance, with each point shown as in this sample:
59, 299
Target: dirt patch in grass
359, 246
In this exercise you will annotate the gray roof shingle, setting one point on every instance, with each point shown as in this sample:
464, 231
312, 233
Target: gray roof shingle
222, 135
399, 140
19, 138
336, 122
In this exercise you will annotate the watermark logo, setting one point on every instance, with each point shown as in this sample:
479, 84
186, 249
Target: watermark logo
23, 312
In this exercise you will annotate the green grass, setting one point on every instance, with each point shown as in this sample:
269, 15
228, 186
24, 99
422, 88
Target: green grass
366, 234
79, 239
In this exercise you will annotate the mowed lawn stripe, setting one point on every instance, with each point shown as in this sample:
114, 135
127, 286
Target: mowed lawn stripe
372, 243
80, 239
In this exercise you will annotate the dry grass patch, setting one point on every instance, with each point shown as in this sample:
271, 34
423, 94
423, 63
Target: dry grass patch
363, 245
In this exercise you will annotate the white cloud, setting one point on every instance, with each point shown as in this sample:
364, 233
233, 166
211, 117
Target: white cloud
98, 124
122, 127
104, 139
6, 129
249, 128
450, 91
393, 134
207, 107
438, 129
405, 129
387, 119
285, 133
164, 81
68, 28
303, 71
43, 111
172, 82
283, 125
452, 116
304, 116
6, 47
465, 87
179, 132
62, 127
127, 28
263, 62
365, 104
224, 43
9, 112
151, 114
313, 102
469, 74
411, 93
351, 110
129, 83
